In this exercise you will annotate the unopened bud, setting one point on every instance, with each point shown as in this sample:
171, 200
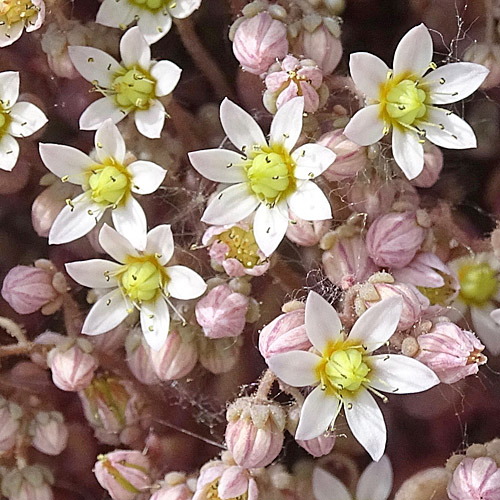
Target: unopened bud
49, 432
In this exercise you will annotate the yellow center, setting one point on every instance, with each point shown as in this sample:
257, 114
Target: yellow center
242, 246
143, 278
134, 88
14, 11
109, 182
439, 295
478, 283
153, 5
5, 121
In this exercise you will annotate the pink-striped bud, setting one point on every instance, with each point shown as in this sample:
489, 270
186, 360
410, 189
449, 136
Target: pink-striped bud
394, 238
219, 355
258, 42
10, 421
451, 352
254, 433
175, 486
30, 483
48, 432
139, 358
306, 233
323, 47
433, 164
222, 312
475, 479
124, 474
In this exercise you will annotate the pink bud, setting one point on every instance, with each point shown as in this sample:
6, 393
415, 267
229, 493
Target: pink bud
475, 479
176, 492
451, 352
323, 47
139, 358
394, 239
306, 233
10, 421
219, 355
433, 164
30, 483
258, 42
123, 473
222, 312
49, 432
373, 198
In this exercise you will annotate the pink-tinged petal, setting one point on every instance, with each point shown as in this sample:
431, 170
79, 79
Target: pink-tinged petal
167, 75
9, 87
94, 273
219, 165
287, 124
376, 481
408, 152
210, 474
310, 203
107, 313
129, 220
94, 65
184, 8
269, 228
495, 316
366, 422
99, 111
253, 490
486, 329
376, 325
26, 119
116, 245
154, 26
323, 325
328, 487
146, 176
155, 322
115, 14
365, 127
275, 81
184, 283
295, 368
134, 50
233, 483
312, 160
451, 131
414, 52
454, 82
231, 205
66, 162
290, 92
149, 122
368, 72
242, 130
400, 374
109, 142
160, 242
319, 412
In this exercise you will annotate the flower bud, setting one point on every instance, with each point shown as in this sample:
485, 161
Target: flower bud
373, 197
306, 233
452, 353
475, 478
49, 432
394, 238
258, 42
175, 486
433, 164
254, 433
10, 421
323, 47
139, 358
221, 313
123, 473
30, 483
486, 54
219, 355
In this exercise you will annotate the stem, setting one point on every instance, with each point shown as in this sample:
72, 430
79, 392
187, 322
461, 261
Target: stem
72, 316
13, 329
265, 384
490, 22
16, 349
183, 122
292, 391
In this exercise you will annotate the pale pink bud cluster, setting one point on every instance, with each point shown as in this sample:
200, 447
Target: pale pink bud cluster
10, 421
306, 233
475, 479
323, 47
139, 357
48, 432
32, 482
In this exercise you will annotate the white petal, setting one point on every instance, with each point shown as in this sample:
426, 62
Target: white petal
167, 75
161, 242
109, 142
147, 176
456, 134
414, 52
9, 152
241, 129
312, 160
129, 220
94, 65
99, 111
154, 26
287, 124
295, 368
400, 374
231, 205
107, 313
219, 165
376, 481
486, 329
115, 14
495, 316
377, 324
66, 162
365, 127
155, 322
366, 422
116, 245
310, 203
408, 152
319, 412
9, 87
149, 122
94, 273
460, 81
184, 283
9, 34
134, 50
184, 8
323, 324
368, 73
26, 119
328, 487
269, 228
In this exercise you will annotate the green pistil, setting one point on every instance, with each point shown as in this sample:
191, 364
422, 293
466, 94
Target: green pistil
478, 283
134, 88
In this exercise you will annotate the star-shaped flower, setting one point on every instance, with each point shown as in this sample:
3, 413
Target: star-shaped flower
107, 182
139, 278
16, 15
267, 176
404, 100
131, 86
344, 371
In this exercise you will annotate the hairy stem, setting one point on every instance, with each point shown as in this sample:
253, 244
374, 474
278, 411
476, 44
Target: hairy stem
265, 384
13, 329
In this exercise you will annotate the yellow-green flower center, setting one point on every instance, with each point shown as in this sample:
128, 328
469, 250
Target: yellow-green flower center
134, 88
478, 283
109, 185
143, 278
14, 11
5, 121
154, 5
241, 246
406, 102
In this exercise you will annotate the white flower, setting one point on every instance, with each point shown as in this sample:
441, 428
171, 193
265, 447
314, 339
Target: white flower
108, 182
267, 176
374, 484
404, 100
132, 86
17, 119
15, 15
154, 17
139, 279
344, 371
